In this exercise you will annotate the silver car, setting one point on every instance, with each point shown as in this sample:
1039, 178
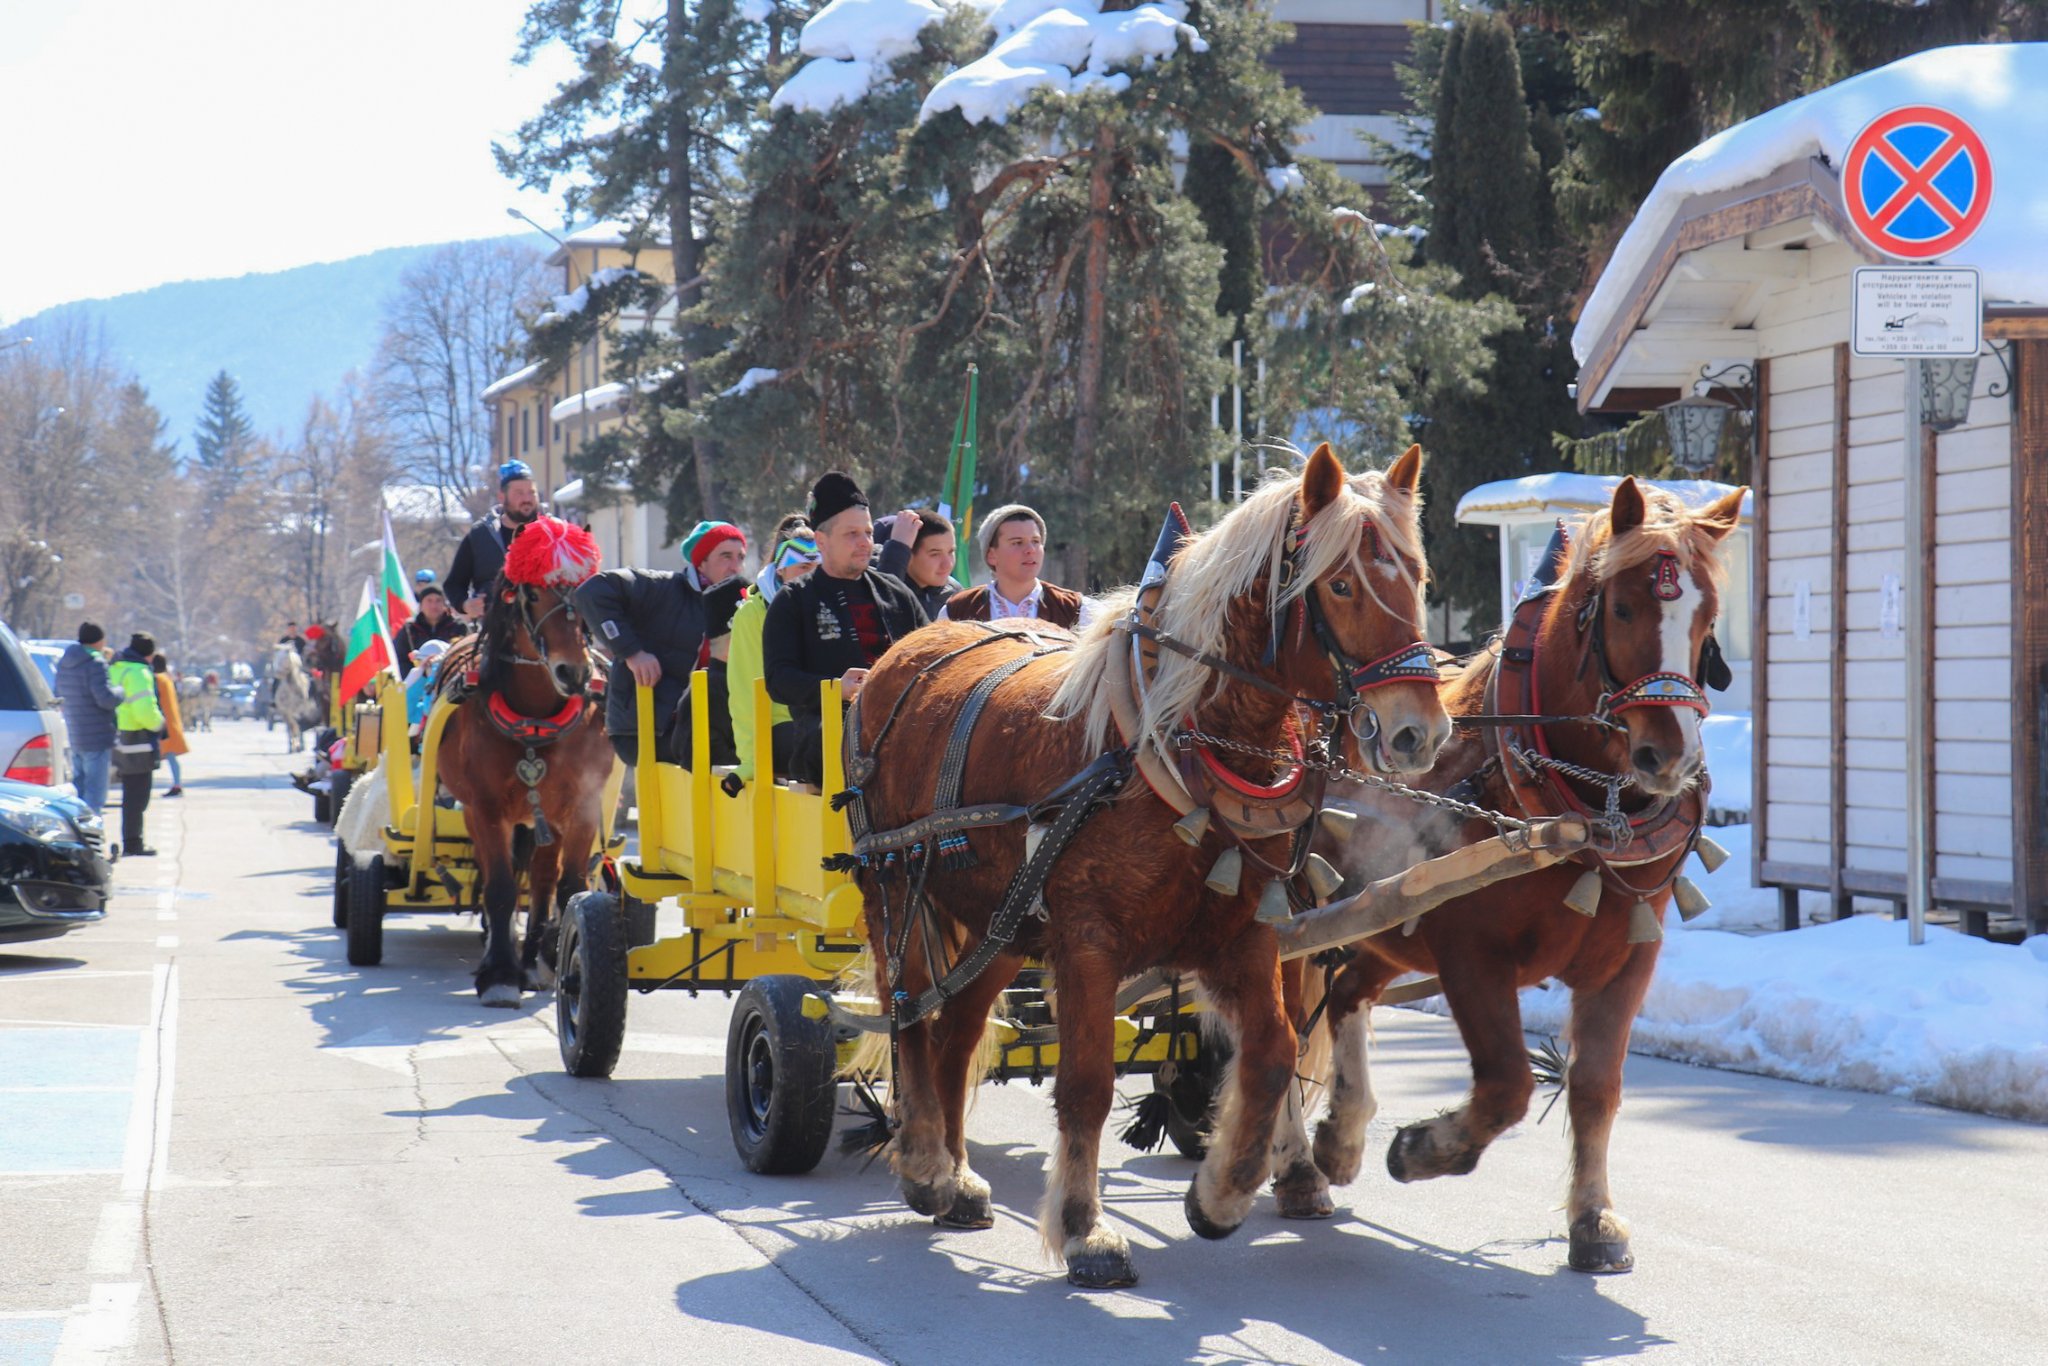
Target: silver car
35, 747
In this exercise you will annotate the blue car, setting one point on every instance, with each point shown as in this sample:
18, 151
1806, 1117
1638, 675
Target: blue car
54, 875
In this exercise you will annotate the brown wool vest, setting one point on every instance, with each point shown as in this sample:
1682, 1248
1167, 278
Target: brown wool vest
1057, 606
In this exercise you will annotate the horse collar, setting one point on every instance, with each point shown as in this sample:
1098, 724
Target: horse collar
534, 730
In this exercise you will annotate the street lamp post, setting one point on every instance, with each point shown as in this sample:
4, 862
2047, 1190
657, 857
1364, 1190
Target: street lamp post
522, 217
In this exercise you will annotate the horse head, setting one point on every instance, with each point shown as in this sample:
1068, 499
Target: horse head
1363, 609
532, 616
1630, 639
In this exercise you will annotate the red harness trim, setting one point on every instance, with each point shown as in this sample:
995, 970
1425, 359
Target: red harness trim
1286, 787
534, 730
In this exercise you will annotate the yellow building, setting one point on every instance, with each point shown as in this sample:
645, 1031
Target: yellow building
546, 421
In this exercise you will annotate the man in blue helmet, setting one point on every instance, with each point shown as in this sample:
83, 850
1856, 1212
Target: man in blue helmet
482, 552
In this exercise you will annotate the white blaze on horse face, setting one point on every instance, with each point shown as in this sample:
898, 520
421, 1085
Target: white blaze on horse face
1676, 657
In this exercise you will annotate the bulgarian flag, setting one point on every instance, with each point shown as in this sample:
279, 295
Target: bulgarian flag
399, 603
369, 643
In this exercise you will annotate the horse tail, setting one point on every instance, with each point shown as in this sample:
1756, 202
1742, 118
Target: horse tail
870, 1061
364, 814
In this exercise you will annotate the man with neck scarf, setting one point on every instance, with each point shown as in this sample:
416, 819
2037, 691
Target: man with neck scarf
793, 555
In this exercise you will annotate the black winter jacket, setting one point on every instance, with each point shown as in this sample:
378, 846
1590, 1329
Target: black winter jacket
795, 657
661, 612
895, 562
478, 560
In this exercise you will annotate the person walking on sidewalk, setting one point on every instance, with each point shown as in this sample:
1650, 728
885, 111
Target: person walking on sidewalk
89, 702
138, 721
174, 722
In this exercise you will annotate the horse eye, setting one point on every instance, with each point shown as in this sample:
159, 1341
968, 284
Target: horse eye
1622, 612
1341, 587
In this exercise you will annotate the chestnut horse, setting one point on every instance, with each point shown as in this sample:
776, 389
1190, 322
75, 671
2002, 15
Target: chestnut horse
1637, 601
1336, 553
526, 753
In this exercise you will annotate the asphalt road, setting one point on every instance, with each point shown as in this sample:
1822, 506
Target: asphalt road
220, 1143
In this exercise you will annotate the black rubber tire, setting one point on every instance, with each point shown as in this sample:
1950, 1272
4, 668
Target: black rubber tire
344, 872
366, 913
639, 922
338, 784
781, 1078
590, 993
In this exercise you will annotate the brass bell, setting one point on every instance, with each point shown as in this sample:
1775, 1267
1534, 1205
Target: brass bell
1645, 926
1692, 902
1274, 908
1584, 897
1193, 826
1223, 876
1323, 880
1712, 855
1338, 821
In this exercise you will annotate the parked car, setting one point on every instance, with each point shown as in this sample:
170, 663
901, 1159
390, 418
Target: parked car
45, 654
35, 747
238, 700
54, 875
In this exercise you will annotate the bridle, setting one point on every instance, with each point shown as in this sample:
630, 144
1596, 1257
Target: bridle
1661, 688
521, 597
1414, 662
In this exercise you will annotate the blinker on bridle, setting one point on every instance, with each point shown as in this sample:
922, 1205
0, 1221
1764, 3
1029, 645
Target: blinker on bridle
1662, 688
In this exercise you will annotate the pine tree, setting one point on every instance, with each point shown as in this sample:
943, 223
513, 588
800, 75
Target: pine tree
222, 440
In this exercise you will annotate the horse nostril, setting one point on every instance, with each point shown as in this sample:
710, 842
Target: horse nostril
1647, 758
1407, 741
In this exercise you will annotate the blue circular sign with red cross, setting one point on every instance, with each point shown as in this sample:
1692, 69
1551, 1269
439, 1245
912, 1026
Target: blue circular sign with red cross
1917, 182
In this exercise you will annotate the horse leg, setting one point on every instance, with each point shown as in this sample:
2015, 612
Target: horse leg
1083, 1089
924, 1169
543, 873
957, 1036
1300, 1188
1246, 990
1340, 1135
498, 977
1600, 1025
1480, 988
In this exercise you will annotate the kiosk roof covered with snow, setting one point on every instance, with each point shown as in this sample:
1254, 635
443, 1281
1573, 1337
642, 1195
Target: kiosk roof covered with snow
1742, 256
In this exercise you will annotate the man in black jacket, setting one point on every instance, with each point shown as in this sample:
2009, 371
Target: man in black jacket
432, 622
655, 625
834, 624
918, 548
482, 552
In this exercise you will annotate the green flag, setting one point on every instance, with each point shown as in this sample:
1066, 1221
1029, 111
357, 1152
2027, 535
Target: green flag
956, 495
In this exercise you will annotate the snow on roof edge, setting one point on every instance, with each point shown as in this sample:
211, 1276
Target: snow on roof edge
1571, 492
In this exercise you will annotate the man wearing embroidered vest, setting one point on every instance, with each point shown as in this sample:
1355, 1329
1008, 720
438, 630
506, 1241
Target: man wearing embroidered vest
138, 721
1012, 543
835, 623
659, 627
482, 553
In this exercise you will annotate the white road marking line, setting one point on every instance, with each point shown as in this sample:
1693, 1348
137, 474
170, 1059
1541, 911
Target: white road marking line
167, 941
152, 1088
67, 1024
54, 979
117, 1242
105, 1328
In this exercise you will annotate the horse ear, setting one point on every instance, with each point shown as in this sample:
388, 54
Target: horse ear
1721, 516
1628, 510
1322, 483
1406, 473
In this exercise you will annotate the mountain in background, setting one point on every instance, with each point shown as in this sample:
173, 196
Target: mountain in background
285, 336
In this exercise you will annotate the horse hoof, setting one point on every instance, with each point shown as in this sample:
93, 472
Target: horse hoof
969, 1210
1301, 1196
1599, 1245
540, 977
1336, 1158
931, 1201
1200, 1222
1415, 1156
1107, 1268
501, 994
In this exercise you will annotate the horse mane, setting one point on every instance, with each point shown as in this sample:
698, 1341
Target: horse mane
1668, 527
1214, 574
494, 641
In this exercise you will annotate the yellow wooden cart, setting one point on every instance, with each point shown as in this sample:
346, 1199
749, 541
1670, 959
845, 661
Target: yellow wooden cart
761, 916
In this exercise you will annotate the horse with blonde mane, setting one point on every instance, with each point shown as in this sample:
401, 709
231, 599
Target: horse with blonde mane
1306, 600
1595, 689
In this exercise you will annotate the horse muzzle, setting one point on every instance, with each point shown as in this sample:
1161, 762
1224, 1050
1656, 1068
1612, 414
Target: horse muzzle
569, 679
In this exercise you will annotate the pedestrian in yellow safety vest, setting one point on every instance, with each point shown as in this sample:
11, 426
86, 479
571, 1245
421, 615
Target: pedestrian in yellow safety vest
138, 730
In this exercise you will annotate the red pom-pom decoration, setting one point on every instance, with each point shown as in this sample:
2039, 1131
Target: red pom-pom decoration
551, 553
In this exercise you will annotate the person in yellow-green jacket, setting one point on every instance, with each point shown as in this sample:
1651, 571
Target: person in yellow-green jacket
138, 730
795, 554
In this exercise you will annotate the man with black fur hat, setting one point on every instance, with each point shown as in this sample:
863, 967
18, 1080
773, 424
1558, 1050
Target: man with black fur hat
834, 624
482, 552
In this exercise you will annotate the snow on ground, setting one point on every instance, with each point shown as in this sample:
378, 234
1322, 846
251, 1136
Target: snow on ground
1957, 1021
1726, 736
1995, 87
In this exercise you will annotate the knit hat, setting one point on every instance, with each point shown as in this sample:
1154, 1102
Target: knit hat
427, 590
833, 494
513, 469
706, 537
985, 535
142, 644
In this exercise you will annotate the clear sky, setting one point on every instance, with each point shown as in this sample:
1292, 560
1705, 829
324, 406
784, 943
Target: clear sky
156, 140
